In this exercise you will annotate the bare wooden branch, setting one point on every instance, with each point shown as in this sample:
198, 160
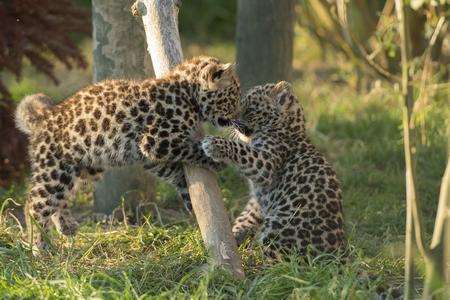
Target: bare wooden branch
161, 28
443, 212
424, 90
438, 266
163, 39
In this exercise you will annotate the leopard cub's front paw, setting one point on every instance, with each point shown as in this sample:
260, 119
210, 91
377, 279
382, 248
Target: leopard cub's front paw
210, 147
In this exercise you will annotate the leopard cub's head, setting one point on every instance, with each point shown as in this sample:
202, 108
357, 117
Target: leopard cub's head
270, 106
219, 92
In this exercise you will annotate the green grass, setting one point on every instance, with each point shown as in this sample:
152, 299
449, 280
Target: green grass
164, 257
153, 260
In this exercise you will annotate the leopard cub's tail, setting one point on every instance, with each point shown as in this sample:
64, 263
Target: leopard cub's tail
31, 112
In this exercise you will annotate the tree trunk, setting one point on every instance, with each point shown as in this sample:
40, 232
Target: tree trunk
265, 32
119, 52
160, 18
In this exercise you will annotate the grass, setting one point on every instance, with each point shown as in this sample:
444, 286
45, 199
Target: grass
164, 257
167, 262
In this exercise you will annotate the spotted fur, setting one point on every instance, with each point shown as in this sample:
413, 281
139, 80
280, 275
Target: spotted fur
122, 122
296, 198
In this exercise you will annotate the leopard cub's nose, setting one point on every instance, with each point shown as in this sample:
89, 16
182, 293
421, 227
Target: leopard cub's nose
223, 122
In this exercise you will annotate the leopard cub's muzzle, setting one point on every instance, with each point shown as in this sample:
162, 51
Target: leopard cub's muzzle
242, 127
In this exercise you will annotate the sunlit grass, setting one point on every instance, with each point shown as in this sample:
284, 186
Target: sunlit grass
151, 260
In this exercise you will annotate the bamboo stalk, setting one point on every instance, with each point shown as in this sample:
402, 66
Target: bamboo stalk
438, 270
160, 18
411, 200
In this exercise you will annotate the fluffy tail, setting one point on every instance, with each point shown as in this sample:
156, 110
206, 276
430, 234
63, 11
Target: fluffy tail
31, 111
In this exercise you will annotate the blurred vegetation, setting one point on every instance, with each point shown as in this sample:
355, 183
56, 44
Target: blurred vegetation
31, 29
365, 32
203, 20
36, 33
208, 20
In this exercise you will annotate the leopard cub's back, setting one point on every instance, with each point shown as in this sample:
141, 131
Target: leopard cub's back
308, 208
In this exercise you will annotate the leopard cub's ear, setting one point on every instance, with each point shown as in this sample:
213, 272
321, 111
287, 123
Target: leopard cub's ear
284, 96
219, 76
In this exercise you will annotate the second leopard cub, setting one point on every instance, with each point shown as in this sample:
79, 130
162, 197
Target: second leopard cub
296, 201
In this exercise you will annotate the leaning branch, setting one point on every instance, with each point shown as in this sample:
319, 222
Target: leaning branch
160, 18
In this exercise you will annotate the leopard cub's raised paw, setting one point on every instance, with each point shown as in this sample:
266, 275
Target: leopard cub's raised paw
210, 147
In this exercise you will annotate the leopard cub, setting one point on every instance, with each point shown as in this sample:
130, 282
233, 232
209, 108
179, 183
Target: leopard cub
296, 198
121, 122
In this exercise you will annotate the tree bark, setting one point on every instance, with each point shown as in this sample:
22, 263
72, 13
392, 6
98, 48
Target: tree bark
119, 53
265, 32
160, 18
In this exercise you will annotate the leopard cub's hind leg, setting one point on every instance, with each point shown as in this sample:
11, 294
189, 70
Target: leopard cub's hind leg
43, 203
173, 173
248, 223
47, 203
65, 223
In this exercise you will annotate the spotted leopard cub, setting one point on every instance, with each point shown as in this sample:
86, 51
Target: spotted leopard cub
122, 122
296, 201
